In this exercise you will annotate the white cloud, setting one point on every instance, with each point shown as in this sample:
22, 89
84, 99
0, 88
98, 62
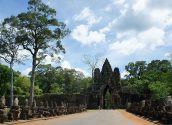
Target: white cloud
47, 60
139, 5
87, 15
23, 52
119, 2
161, 17
83, 71
152, 37
128, 20
108, 27
140, 15
83, 34
168, 55
124, 73
66, 64
108, 8
149, 39
125, 35
160, 4
53, 60
26, 71
126, 47
66, 22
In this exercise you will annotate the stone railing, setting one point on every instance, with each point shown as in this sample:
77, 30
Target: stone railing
154, 110
25, 112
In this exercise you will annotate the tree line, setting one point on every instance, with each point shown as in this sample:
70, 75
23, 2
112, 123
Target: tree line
152, 80
40, 33
49, 79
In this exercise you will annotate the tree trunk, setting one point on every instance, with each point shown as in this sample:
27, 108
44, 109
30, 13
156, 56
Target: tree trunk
12, 85
32, 80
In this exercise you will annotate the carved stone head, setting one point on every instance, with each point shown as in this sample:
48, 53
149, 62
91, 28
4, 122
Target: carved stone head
55, 104
2, 101
34, 103
46, 104
52, 104
26, 103
41, 103
16, 102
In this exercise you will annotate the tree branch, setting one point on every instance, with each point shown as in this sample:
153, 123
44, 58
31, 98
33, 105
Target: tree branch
6, 60
25, 47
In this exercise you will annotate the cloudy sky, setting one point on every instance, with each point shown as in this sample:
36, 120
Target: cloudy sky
120, 30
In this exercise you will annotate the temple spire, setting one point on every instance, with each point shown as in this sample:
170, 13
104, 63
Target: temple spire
106, 67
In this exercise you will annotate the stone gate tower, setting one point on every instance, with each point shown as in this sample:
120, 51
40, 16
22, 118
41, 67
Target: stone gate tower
106, 80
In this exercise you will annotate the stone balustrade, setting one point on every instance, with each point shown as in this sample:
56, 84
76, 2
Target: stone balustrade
43, 109
154, 110
3, 110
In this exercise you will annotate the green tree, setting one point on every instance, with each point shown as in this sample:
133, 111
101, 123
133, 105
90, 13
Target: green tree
55, 88
4, 79
135, 69
61, 81
40, 33
21, 85
159, 90
150, 78
9, 48
48, 77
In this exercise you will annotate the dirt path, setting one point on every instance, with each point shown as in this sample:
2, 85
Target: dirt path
94, 117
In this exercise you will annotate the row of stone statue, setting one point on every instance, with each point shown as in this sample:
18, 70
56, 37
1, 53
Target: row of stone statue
154, 110
42, 110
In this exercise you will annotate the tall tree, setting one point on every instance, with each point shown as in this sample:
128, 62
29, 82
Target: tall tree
9, 48
135, 69
40, 34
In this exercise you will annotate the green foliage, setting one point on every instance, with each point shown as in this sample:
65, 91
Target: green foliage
39, 30
4, 80
150, 79
56, 89
58, 80
40, 33
135, 69
21, 85
9, 48
159, 90
37, 90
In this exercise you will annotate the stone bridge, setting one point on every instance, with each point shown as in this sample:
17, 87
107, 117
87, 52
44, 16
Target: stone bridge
93, 117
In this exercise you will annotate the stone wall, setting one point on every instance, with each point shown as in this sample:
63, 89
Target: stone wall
43, 106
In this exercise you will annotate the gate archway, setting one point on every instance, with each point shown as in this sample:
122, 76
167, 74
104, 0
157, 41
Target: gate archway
107, 98
105, 88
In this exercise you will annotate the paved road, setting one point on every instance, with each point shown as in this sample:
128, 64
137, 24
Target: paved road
94, 117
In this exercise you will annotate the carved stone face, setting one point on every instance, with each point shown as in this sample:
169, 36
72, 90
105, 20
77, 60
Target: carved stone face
34, 103
16, 102
46, 104
55, 104
52, 105
26, 102
2, 101
41, 103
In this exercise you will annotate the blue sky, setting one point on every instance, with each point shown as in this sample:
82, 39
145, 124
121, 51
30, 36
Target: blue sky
120, 30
